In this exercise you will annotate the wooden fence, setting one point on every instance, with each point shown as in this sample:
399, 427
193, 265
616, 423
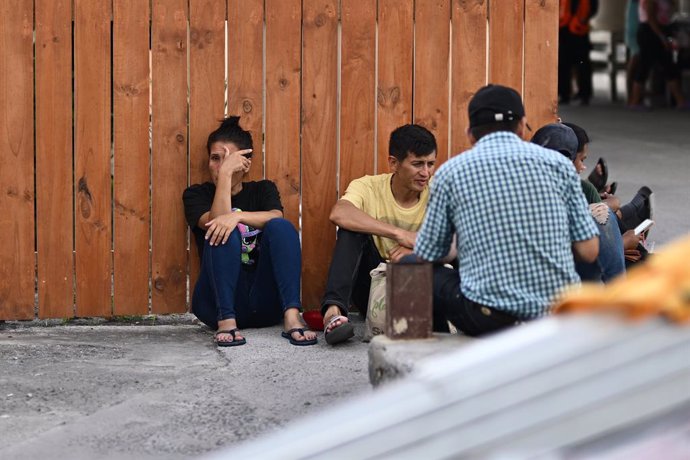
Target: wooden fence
105, 106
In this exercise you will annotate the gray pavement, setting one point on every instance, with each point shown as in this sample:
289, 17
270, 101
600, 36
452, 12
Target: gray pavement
650, 148
124, 391
135, 391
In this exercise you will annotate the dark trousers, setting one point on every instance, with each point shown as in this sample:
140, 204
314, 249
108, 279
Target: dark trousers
471, 318
653, 53
255, 296
573, 53
349, 281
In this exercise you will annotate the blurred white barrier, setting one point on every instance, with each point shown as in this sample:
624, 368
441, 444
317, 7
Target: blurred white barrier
563, 387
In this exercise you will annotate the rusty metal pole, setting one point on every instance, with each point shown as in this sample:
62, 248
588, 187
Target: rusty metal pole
409, 300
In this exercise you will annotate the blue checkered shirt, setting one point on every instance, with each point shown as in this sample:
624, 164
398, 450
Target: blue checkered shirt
516, 208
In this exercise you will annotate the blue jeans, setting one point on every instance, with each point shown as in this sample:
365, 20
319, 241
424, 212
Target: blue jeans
256, 296
611, 259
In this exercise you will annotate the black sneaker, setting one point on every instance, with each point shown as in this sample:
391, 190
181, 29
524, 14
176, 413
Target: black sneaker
638, 209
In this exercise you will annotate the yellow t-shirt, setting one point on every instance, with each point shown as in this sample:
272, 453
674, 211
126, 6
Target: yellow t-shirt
373, 195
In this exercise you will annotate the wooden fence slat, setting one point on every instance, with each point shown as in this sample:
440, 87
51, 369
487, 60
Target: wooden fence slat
131, 216
169, 156
506, 26
468, 65
319, 129
245, 73
431, 79
283, 95
17, 264
54, 187
358, 86
541, 60
93, 220
207, 93
395, 61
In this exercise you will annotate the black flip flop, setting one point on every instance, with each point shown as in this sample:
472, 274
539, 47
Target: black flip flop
597, 179
299, 343
613, 187
234, 343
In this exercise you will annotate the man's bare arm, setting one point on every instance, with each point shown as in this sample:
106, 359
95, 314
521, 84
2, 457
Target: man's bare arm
346, 215
587, 250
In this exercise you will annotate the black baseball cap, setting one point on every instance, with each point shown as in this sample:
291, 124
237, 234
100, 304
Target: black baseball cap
559, 137
495, 103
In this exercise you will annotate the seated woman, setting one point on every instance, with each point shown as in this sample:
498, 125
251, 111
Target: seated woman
250, 256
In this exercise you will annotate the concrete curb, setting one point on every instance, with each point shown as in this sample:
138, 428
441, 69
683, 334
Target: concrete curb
393, 359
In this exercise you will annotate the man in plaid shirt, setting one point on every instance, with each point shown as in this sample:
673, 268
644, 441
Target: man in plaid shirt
519, 217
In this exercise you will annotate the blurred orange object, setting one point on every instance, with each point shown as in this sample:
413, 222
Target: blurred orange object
658, 286
314, 320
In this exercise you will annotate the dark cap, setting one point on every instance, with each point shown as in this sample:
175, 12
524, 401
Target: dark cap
559, 137
495, 103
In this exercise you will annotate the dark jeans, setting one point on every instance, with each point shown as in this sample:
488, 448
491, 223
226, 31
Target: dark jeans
471, 318
349, 281
256, 296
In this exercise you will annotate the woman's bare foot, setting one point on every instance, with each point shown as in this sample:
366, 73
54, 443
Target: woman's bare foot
331, 312
292, 320
227, 338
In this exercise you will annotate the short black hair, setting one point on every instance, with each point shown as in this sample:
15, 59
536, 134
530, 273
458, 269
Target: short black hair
582, 137
231, 131
414, 139
482, 130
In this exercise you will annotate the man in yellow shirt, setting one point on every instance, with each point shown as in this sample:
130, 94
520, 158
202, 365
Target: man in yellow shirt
378, 218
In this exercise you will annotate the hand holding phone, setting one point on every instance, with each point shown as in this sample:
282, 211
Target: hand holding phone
644, 226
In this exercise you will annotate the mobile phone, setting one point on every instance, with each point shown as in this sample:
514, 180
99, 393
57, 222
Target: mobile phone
644, 226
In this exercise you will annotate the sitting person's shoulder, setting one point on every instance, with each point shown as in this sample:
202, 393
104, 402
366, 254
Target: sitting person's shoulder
204, 188
262, 184
368, 182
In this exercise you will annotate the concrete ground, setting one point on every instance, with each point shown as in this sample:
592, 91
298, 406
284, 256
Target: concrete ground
641, 148
136, 391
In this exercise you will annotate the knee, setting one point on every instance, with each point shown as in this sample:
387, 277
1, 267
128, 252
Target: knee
279, 226
233, 244
348, 235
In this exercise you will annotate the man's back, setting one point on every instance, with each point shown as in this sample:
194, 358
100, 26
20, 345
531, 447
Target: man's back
516, 207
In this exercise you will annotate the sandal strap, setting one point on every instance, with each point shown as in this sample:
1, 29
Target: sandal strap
334, 319
232, 332
301, 330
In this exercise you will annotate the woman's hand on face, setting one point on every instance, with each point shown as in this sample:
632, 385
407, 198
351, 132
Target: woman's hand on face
219, 229
235, 161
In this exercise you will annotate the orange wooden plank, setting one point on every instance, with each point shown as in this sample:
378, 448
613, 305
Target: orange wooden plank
93, 221
394, 90
131, 219
17, 264
207, 80
506, 25
54, 192
541, 62
207, 92
358, 86
319, 117
245, 73
283, 67
468, 65
169, 156
431, 80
